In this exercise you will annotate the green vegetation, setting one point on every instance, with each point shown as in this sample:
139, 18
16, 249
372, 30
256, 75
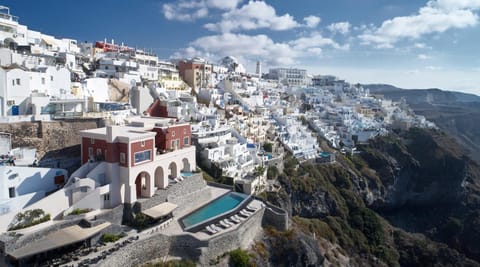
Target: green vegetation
140, 221
258, 171
78, 211
315, 226
329, 202
28, 218
106, 238
272, 172
239, 258
268, 147
207, 177
304, 120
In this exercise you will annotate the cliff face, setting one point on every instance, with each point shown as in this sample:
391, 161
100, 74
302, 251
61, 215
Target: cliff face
458, 114
366, 204
431, 187
420, 168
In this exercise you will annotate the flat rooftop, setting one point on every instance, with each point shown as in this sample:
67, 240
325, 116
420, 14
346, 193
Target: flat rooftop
57, 239
121, 132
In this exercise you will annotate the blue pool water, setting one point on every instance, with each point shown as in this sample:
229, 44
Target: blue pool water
324, 154
186, 174
218, 206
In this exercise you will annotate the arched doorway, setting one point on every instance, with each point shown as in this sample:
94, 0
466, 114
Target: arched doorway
186, 165
10, 43
173, 170
159, 179
142, 184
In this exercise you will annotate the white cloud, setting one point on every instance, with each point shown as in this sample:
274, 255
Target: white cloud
259, 47
311, 21
223, 4
420, 45
455, 4
340, 27
315, 40
436, 17
423, 57
251, 16
190, 10
433, 68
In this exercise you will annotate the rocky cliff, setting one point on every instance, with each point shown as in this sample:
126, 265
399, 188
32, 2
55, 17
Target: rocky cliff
407, 199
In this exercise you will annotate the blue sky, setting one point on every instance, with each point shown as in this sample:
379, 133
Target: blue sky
410, 44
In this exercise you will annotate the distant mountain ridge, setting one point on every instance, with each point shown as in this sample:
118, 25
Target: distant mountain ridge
456, 113
422, 95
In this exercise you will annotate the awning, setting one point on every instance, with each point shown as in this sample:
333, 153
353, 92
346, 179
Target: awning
57, 239
160, 210
49, 41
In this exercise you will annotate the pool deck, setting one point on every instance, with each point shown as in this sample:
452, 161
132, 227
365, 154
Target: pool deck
174, 228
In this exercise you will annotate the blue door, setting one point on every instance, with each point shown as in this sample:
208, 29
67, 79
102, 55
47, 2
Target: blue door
15, 110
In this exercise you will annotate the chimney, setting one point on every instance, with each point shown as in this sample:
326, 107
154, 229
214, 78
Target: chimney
111, 133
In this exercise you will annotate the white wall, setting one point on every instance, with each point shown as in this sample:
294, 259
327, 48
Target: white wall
98, 89
18, 93
40, 82
98, 174
28, 179
61, 80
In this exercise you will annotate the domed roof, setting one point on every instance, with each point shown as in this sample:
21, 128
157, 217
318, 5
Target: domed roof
232, 64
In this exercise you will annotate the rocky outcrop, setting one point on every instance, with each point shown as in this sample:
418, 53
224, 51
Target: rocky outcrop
419, 180
288, 249
47, 136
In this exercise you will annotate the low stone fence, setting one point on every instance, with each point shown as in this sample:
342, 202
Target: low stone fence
241, 237
115, 215
183, 201
275, 216
187, 246
277, 219
224, 186
139, 252
190, 184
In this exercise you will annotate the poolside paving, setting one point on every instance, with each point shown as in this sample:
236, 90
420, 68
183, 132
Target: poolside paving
175, 228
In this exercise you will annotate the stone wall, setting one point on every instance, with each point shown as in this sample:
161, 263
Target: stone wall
189, 185
242, 237
139, 252
115, 215
184, 201
48, 136
276, 218
187, 246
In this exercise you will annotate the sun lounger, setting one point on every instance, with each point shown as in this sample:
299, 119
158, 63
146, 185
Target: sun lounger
244, 214
214, 226
211, 230
239, 217
230, 222
234, 219
251, 208
247, 212
224, 224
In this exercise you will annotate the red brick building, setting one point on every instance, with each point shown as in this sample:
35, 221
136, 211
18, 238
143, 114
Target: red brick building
148, 153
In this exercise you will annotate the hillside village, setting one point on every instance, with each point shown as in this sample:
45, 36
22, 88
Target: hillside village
178, 135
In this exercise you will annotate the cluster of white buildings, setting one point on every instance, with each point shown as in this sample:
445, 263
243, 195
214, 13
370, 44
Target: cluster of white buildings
45, 77
346, 114
191, 109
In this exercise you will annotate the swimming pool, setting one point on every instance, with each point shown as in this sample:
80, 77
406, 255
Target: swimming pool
186, 174
214, 209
